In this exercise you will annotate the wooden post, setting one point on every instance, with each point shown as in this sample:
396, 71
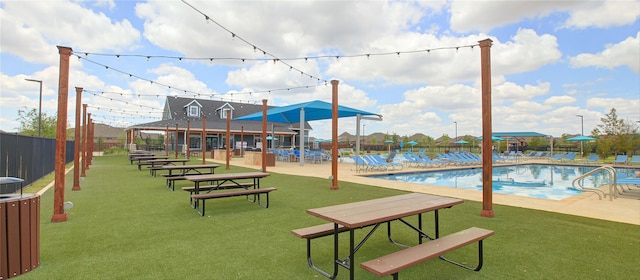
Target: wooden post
88, 159
334, 134
176, 145
203, 144
227, 143
264, 135
487, 152
92, 131
84, 140
61, 135
242, 141
166, 141
76, 142
188, 140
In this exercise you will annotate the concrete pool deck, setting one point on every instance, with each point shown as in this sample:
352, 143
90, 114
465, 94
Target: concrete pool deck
587, 204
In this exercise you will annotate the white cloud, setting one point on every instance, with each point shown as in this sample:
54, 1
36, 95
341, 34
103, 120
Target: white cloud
80, 28
528, 51
626, 53
604, 14
560, 100
625, 108
509, 91
483, 16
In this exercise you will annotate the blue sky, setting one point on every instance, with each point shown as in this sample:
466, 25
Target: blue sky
551, 60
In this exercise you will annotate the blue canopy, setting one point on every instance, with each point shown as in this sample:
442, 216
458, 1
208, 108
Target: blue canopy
313, 111
581, 138
302, 112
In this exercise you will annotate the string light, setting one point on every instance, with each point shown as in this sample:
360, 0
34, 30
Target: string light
306, 58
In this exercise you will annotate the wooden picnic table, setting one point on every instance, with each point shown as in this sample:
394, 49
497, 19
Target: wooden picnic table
220, 179
159, 162
374, 213
184, 169
146, 157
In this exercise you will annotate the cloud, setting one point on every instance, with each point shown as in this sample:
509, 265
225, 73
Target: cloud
79, 28
483, 16
604, 14
560, 100
625, 108
626, 53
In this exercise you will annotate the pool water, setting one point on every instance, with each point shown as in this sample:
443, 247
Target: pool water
532, 180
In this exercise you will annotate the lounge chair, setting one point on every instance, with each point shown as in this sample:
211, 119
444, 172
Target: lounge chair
557, 157
620, 159
593, 158
634, 159
383, 162
569, 157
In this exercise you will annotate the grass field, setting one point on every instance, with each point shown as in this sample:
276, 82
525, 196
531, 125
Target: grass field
126, 224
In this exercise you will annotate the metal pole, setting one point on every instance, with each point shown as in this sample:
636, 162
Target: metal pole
581, 133
39, 106
456, 139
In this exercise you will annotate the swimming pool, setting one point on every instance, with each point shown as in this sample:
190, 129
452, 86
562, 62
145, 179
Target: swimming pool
532, 180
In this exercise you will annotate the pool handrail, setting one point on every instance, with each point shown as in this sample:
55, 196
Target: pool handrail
612, 181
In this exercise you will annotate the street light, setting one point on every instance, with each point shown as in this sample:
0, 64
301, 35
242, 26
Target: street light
581, 133
39, 106
456, 139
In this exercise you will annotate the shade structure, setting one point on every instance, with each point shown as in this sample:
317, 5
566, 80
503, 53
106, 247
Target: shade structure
581, 138
493, 138
313, 111
462, 141
302, 112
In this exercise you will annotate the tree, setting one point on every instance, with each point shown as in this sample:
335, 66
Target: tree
29, 123
616, 135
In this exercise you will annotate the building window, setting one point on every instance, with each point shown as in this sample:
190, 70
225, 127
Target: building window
194, 111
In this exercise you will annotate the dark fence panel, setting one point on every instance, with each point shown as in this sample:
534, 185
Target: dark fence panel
29, 158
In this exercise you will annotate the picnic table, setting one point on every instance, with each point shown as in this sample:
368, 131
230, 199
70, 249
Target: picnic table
184, 169
160, 161
352, 216
226, 181
145, 158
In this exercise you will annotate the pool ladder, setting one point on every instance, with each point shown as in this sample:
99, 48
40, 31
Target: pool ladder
578, 183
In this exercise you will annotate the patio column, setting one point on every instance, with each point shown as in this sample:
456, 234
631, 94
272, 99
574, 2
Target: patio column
487, 153
334, 134
264, 135
203, 144
76, 142
84, 140
61, 135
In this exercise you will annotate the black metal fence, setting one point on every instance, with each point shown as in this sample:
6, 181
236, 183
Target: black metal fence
29, 158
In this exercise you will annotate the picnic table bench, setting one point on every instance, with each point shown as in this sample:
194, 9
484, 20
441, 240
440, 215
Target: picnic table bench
255, 192
393, 263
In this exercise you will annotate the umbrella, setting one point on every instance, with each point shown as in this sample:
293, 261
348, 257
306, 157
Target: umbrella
412, 143
581, 138
389, 142
462, 142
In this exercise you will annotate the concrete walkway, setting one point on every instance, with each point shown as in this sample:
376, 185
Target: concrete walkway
622, 210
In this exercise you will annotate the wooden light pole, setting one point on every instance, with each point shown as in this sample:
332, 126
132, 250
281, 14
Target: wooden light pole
487, 153
61, 135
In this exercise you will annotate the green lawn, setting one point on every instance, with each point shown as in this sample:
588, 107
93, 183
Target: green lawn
126, 224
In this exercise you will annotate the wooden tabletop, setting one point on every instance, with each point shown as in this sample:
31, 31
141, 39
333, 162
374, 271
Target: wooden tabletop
369, 212
226, 176
191, 166
168, 160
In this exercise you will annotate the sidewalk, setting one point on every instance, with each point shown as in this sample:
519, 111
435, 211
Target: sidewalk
587, 204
